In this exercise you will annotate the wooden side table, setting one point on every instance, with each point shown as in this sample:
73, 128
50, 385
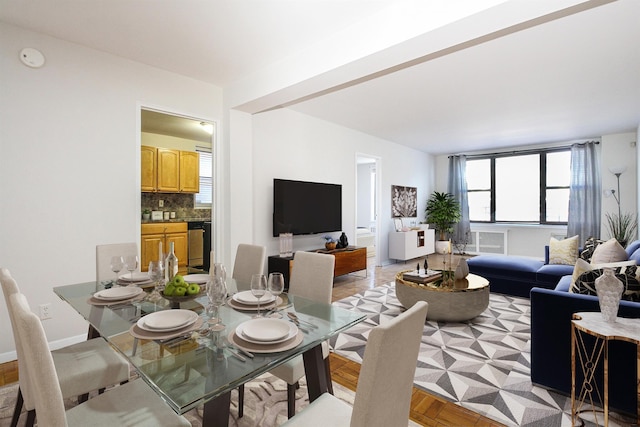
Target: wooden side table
591, 323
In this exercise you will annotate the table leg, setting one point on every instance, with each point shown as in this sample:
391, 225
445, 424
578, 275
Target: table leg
573, 375
638, 382
315, 371
216, 411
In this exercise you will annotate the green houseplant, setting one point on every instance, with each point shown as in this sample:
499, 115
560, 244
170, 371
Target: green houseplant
443, 211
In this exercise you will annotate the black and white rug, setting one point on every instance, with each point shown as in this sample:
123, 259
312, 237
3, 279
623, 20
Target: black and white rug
482, 364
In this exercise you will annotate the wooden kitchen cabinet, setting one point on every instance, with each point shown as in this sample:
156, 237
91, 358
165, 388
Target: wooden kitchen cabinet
165, 232
189, 172
169, 171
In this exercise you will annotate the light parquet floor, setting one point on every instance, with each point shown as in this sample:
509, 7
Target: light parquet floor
426, 409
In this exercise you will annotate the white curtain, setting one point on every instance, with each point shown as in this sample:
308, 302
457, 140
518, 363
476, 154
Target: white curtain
458, 187
585, 191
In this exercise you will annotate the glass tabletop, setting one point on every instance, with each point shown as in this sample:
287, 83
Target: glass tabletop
191, 371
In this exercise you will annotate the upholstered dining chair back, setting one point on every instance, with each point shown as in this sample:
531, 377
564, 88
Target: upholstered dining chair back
249, 261
388, 369
46, 390
9, 288
104, 254
312, 276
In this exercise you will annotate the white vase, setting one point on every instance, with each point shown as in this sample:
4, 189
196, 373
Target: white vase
609, 289
462, 270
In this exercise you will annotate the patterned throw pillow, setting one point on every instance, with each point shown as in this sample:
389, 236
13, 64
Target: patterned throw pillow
563, 251
586, 283
589, 247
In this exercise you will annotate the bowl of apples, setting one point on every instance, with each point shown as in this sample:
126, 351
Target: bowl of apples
178, 290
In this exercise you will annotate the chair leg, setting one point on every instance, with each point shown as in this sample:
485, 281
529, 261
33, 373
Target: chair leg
241, 401
327, 368
31, 418
17, 409
291, 399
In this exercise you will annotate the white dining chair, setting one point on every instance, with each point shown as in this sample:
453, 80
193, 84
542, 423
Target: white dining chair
383, 393
82, 367
104, 254
249, 261
133, 403
311, 278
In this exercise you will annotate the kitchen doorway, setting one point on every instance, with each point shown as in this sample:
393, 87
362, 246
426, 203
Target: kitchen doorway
368, 205
167, 130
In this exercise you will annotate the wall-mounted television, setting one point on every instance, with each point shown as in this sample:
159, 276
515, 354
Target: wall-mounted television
301, 207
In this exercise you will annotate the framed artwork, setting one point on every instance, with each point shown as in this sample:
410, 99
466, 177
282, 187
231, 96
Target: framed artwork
404, 202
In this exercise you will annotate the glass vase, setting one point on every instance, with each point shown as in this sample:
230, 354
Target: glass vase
609, 289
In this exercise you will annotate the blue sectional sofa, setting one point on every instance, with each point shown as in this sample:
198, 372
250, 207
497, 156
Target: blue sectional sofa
516, 275
551, 312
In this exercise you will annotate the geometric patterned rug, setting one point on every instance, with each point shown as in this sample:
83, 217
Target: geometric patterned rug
482, 364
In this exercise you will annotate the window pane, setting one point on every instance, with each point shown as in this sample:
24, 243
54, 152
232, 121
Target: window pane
518, 188
559, 169
205, 197
558, 205
480, 205
479, 174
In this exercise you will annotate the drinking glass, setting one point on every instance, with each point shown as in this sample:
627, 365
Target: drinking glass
217, 293
275, 285
117, 264
131, 263
258, 288
156, 274
219, 271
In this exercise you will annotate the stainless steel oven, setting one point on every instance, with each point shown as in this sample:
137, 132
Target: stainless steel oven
196, 245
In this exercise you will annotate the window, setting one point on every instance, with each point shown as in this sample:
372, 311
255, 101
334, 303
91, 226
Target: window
204, 198
530, 187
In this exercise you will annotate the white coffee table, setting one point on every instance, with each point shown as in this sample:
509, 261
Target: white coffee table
465, 300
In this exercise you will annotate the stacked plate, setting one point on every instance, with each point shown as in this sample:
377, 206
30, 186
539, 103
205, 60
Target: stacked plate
117, 294
138, 278
266, 335
168, 320
247, 302
200, 279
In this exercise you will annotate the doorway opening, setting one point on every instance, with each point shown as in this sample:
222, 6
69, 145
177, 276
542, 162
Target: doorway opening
368, 205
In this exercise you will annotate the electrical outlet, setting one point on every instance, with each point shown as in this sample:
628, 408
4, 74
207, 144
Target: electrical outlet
45, 311
161, 203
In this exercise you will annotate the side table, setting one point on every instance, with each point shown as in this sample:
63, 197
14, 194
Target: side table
591, 323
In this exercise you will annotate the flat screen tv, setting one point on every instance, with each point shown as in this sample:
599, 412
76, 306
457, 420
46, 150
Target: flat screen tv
301, 207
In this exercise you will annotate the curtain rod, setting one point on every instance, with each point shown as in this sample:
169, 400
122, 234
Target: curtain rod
527, 151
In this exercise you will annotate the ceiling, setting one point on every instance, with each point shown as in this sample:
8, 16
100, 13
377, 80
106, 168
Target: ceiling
571, 77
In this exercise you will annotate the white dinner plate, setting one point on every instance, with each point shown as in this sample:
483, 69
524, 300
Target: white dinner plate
264, 331
197, 278
118, 293
247, 298
167, 320
137, 276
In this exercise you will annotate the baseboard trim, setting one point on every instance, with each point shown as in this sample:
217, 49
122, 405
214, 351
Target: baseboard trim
10, 356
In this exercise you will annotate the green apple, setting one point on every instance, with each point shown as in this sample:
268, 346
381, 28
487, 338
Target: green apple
169, 290
179, 280
180, 291
193, 289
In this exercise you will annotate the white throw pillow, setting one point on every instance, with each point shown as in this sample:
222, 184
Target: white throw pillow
609, 251
563, 251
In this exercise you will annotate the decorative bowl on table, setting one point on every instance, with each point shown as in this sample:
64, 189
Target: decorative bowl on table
175, 300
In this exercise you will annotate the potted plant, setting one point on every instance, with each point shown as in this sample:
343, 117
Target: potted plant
443, 211
146, 214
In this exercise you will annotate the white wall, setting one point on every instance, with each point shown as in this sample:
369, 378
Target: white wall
364, 199
70, 162
291, 145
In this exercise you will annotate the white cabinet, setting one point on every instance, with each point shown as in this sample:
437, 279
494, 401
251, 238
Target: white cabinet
404, 245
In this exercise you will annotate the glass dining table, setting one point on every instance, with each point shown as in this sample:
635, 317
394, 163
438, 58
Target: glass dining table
203, 367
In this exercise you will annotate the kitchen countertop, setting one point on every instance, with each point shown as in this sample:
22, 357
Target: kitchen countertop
148, 221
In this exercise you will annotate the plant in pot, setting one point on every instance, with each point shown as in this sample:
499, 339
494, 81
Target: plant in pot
443, 211
330, 243
146, 214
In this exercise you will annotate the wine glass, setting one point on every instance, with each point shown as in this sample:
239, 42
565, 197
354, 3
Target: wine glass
258, 288
276, 284
117, 264
156, 274
131, 263
219, 271
217, 293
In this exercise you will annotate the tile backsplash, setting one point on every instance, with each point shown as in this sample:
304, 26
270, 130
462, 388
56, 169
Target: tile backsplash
181, 204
